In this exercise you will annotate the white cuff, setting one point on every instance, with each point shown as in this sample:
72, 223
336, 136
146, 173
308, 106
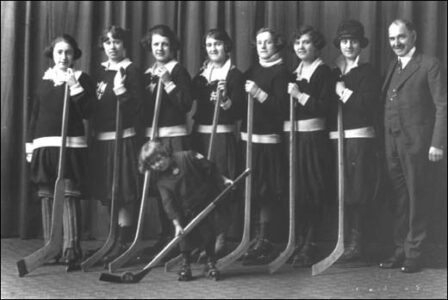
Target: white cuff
29, 148
303, 98
76, 89
169, 87
119, 90
260, 95
346, 94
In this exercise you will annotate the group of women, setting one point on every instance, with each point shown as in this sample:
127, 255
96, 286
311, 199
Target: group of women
317, 89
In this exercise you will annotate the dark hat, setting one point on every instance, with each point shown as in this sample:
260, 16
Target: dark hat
350, 29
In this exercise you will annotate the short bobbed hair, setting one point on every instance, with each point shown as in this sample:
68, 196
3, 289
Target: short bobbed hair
150, 150
220, 35
162, 30
117, 33
48, 52
279, 40
317, 38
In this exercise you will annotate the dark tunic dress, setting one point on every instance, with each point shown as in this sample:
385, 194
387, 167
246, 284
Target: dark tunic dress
268, 163
45, 129
313, 144
103, 145
224, 152
175, 105
359, 111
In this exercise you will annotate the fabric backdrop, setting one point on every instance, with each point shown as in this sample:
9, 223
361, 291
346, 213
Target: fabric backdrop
28, 27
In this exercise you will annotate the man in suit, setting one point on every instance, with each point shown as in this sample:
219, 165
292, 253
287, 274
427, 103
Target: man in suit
415, 136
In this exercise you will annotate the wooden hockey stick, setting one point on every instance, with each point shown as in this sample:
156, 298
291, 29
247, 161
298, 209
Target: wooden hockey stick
214, 125
245, 241
129, 277
136, 244
339, 249
178, 259
53, 246
112, 236
289, 250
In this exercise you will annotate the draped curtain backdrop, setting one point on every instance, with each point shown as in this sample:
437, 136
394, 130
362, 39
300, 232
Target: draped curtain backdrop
28, 27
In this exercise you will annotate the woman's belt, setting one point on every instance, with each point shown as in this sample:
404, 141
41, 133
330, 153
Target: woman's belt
111, 135
262, 138
56, 141
220, 128
171, 131
364, 132
316, 124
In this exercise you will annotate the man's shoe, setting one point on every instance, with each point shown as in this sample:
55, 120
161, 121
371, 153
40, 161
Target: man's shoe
392, 262
410, 266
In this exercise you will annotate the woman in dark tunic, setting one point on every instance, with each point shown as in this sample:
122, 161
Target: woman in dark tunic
44, 140
176, 102
357, 88
118, 80
312, 88
267, 82
218, 73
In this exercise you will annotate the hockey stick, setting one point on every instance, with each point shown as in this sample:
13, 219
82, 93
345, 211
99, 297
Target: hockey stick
245, 241
289, 250
112, 236
53, 246
129, 277
339, 249
214, 125
136, 244
176, 260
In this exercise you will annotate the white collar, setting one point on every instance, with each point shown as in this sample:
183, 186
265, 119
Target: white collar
406, 58
58, 76
271, 61
308, 71
112, 66
212, 73
341, 63
169, 66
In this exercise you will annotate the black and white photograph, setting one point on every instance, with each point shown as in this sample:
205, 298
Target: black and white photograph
224, 149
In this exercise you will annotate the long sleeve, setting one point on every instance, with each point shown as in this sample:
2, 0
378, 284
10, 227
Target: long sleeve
132, 98
85, 100
437, 86
181, 96
236, 93
33, 119
278, 92
170, 205
365, 98
319, 90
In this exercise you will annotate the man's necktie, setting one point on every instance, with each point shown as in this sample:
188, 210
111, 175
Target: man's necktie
399, 66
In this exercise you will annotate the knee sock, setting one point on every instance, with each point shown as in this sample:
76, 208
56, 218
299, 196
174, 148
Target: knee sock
46, 204
71, 226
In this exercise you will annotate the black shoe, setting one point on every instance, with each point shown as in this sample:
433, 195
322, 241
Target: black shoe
251, 253
74, 265
262, 254
306, 257
185, 273
72, 259
351, 253
393, 262
212, 271
410, 266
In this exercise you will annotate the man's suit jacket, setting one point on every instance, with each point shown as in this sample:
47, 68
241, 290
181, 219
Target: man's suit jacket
421, 98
